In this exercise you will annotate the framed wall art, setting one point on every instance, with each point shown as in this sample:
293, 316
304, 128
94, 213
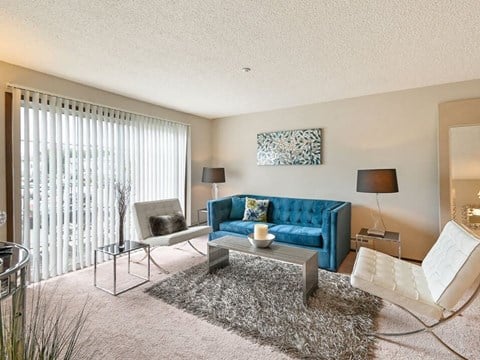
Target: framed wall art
290, 147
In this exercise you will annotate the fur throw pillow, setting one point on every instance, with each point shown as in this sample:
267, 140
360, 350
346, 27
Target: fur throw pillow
167, 224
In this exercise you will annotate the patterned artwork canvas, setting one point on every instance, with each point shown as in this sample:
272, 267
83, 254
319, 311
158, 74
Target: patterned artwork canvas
291, 147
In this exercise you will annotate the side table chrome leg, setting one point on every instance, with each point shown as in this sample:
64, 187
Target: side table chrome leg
95, 268
114, 275
148, 262
128, 267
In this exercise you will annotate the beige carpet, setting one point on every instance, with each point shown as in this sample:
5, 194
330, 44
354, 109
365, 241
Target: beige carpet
135, 325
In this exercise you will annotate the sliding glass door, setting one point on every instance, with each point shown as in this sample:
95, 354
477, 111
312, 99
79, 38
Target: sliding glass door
71, 156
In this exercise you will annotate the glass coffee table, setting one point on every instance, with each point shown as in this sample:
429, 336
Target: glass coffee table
113, 250
218, 257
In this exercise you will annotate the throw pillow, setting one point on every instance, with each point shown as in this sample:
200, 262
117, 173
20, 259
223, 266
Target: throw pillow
167, 224
238, 208
255, 210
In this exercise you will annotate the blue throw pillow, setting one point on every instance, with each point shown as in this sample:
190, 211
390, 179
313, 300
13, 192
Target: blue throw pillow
238, 208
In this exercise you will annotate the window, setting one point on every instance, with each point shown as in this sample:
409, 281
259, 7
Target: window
71, 155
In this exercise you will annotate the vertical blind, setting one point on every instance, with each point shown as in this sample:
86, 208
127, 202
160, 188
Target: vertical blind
72, 155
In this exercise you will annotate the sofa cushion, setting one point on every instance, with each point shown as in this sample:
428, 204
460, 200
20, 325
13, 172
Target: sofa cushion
255, 210
239, 226
294, 234
238, 208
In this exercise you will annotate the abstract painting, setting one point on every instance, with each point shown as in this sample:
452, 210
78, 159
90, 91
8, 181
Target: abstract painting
290, 147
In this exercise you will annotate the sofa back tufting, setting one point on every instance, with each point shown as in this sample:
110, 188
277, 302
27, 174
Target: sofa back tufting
293, 211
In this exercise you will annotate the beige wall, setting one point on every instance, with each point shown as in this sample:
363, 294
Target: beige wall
200, 127
397, 129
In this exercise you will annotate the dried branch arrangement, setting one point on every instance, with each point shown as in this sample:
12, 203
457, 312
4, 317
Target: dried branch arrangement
123, 191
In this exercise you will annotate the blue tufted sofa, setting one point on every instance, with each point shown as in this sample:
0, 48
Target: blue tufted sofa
321, 225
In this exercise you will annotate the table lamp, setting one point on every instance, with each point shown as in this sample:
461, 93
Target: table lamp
377, 181
213, 176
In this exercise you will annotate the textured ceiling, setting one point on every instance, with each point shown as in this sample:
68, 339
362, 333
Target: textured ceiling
188, 54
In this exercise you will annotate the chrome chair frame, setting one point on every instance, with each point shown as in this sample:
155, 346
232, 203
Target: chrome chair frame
429, 328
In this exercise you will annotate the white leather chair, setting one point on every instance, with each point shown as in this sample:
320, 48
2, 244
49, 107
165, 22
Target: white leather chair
142, 213
432, 290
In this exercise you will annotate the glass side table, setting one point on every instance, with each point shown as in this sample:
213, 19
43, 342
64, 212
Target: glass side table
390, 236
202, 211
113, 250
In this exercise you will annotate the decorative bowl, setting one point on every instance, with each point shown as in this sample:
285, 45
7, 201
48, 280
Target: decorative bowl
261, 243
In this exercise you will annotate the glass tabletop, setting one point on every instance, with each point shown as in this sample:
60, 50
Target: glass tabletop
113, 249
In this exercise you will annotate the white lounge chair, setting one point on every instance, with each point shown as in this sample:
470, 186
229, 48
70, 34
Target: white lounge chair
142, 213
434, 289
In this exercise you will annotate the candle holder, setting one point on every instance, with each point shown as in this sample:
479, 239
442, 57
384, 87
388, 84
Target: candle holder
261, 243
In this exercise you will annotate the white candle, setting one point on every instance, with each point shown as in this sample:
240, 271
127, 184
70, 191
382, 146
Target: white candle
260, 232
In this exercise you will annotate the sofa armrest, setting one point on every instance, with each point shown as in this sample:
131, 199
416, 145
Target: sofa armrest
218, 211
336, 233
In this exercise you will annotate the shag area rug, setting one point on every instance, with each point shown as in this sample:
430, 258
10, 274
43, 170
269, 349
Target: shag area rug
262, 299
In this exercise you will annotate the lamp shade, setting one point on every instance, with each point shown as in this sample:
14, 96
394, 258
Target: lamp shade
213, 175
377, 181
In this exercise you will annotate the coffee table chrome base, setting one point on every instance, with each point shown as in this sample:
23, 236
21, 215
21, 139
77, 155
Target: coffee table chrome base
218, 252
116, 292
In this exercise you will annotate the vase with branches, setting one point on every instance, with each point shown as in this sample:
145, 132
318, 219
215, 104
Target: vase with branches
123, 197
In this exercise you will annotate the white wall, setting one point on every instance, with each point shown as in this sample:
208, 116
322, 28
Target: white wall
397, 130
200, 127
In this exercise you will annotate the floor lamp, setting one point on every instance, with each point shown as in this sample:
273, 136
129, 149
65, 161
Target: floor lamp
213, 176
377, 181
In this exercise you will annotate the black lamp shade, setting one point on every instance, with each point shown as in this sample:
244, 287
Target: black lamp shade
213, 175
377, 181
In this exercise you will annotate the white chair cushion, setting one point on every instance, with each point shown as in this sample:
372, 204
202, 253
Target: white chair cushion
178, 237
452, 265
395, 280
